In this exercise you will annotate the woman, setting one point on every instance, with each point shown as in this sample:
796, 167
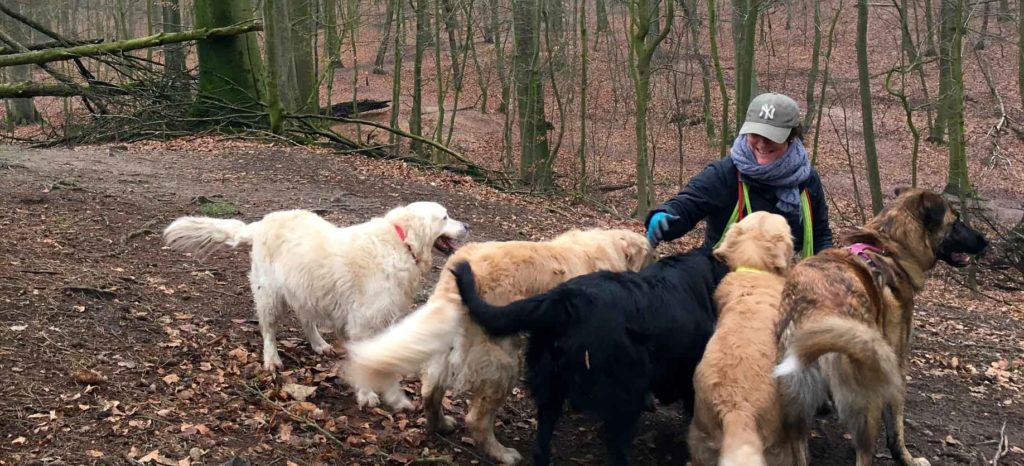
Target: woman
767, 170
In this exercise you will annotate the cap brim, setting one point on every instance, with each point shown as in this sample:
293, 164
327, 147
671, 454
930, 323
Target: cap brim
776, 134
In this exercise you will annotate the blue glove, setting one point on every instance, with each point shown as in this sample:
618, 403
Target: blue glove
658, 227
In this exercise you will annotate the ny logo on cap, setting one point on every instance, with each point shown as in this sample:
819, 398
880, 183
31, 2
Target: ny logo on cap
767, 112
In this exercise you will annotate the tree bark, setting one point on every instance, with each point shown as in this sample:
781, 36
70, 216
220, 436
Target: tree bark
230, 69
1020, 50
422, 39
174, 54
870, 151
20, 111
530, 96
929, 28
382, 49
957, 180
812, 74
396, 76
745, 14
712, 28
642, 46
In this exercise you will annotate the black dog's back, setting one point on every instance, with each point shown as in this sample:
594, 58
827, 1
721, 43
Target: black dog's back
604, 340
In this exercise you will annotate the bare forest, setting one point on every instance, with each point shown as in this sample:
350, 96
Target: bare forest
524, 118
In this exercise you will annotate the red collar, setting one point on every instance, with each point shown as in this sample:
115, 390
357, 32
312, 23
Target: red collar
401, 236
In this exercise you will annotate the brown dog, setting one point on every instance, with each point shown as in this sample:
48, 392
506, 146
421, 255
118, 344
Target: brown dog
737, 419
848, 317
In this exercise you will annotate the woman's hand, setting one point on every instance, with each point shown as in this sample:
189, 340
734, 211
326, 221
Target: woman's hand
658, 227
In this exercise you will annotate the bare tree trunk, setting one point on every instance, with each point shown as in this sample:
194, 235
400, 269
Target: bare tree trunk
642, 44
19, 111
601, 10
1020, 50
382, 49
980, 44
332, 39
303, 33
712, 28
230, 70
530, 96
693, 21
745, 13
812, 74
422, 38
930, 28
396, 76
957, 181
174, 54
584, 83
870, 152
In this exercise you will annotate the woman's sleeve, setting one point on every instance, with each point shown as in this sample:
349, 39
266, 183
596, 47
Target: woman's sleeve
703, 193
822, 230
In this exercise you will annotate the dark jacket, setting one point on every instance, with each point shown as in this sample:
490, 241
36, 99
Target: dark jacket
712, 195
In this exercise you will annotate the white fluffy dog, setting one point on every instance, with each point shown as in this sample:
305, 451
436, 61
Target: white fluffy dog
357, 278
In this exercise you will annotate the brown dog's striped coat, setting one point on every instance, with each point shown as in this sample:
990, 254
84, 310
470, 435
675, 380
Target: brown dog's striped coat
847, 320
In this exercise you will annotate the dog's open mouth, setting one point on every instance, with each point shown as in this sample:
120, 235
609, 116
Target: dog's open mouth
446, 245
959, 259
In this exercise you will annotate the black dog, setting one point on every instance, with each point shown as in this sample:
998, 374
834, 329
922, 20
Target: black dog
605, 340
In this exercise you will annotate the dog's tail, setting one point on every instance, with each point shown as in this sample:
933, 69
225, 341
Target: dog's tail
525, 315
741, 443
204, 235
404, 347
875, 366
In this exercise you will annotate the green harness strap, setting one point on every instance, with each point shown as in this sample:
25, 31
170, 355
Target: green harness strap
743, 204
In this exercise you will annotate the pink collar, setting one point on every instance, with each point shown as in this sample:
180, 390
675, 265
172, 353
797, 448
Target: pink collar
860, 248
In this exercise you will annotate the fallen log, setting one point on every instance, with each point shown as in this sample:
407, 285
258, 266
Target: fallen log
68, 53
49, 45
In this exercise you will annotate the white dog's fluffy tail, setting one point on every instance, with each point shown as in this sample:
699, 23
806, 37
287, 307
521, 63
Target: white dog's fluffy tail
405, 347
204, 235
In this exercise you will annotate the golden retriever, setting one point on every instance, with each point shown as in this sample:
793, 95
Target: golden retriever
357, 278
736, 418
454, 352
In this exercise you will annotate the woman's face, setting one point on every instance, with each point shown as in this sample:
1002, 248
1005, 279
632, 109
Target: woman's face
765, 150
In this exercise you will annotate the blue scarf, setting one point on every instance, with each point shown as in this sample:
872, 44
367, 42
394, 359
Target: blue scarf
784, 174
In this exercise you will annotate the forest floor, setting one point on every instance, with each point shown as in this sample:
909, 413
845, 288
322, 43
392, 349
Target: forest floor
119, 351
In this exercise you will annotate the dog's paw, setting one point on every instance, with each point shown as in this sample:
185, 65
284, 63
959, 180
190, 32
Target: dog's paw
325, 350
272, 364
367, 399
506, 455
401, 404
921, 462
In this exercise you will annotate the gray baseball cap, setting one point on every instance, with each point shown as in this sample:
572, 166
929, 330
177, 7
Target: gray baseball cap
771, 115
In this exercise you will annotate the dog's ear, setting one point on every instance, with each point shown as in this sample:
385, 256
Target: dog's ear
933, 210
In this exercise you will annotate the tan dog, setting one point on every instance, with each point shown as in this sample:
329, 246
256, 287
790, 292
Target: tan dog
441, 339
848, 317
736, 419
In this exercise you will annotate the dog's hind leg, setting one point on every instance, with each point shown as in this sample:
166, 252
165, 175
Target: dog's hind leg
480, 420
892, 416
549, 409
434, 383
320, 346
862, 417
268, 307
620, 427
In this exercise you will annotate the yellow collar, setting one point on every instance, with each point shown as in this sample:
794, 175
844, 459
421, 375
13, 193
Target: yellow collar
749, 269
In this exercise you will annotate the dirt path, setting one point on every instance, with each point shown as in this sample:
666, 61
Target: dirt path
86, 285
